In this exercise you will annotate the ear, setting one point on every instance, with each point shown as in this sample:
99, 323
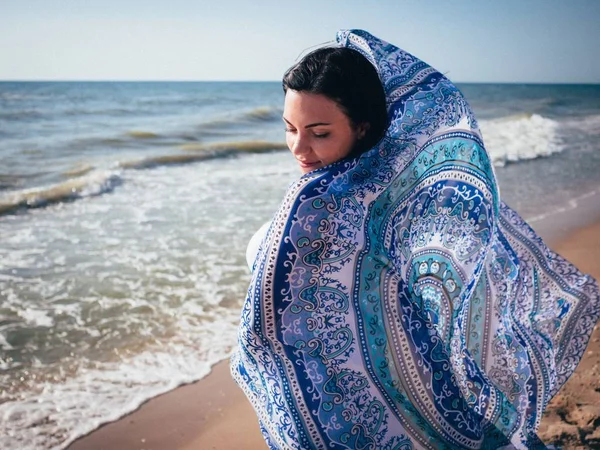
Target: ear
361, 129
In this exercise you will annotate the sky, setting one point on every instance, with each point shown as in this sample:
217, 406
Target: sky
539, 41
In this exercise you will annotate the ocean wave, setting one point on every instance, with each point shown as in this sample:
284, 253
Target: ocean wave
260, 114
134, 139
78, 170
240, 146
51, 114
224, 127
18, 116
135, 108
137, 134
112, 112
22, 96
16, 181
8, 181
92, 184
164, 160
264, 113
138, 139
86, 181
130, 139
203, 152
521, 137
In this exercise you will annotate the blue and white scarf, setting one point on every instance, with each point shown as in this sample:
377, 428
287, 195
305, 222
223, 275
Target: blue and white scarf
397, 303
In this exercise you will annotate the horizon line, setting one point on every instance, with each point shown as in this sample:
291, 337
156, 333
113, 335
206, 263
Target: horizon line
264, 81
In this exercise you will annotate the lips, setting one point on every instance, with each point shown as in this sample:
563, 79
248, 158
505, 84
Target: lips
308, 163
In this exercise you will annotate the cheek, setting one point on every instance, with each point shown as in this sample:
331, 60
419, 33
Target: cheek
341, 149
326, 150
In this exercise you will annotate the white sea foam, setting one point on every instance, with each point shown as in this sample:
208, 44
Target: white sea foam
143, 289
60, 412
36, 317
94, 183
520, 137
4, 343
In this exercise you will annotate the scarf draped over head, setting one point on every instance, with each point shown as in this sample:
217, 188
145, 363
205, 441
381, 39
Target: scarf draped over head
397, 303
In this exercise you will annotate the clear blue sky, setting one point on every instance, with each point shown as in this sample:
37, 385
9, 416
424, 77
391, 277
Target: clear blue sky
470, 40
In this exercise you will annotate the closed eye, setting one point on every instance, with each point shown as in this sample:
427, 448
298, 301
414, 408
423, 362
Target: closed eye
321, 135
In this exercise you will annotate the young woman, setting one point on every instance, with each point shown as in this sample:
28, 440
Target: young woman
396, 302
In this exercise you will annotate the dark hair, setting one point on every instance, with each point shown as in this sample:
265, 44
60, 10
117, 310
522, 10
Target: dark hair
348, 78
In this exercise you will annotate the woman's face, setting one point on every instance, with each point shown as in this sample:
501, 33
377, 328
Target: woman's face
318, 132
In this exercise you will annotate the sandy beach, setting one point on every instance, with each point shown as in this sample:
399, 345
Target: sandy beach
213, 413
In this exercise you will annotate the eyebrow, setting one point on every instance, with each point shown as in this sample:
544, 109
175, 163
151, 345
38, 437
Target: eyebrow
311, 125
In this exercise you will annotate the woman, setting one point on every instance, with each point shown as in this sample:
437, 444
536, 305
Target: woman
395, 301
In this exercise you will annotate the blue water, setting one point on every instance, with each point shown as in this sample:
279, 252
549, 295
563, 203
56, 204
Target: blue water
125, 209
49, 128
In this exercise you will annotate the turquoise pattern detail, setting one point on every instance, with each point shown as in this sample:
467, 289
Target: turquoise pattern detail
397, 303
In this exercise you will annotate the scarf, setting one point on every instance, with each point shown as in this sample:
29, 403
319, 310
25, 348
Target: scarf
397, 303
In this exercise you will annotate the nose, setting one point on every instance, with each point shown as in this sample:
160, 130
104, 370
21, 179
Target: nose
299, 145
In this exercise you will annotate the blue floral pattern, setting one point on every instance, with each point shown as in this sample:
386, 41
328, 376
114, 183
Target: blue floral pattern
397, 303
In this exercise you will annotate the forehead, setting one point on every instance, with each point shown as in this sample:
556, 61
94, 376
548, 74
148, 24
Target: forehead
304, 106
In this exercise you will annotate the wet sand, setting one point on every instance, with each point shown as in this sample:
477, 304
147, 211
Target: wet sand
213, 413
572, 419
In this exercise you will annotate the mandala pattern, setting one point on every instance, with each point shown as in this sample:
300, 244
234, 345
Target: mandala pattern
397, 303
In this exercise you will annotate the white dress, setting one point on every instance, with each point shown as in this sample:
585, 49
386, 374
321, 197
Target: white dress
254, 244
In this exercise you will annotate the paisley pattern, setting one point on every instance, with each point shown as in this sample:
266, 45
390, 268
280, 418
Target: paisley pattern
397, 303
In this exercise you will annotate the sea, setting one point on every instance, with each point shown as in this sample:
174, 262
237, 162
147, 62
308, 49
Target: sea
126, 208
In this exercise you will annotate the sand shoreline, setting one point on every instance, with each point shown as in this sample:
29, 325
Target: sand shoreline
213, 413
